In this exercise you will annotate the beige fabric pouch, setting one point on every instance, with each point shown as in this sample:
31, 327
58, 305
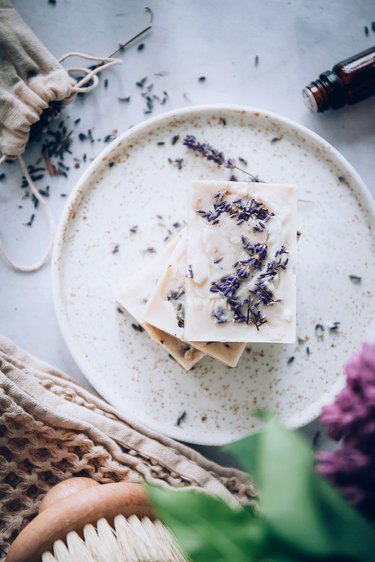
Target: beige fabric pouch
30, 79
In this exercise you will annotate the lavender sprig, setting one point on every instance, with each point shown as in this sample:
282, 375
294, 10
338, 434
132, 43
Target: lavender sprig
207, 151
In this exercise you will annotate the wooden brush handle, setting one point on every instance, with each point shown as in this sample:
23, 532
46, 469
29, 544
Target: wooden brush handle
74, 511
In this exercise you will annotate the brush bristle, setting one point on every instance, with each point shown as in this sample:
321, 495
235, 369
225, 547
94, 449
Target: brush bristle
129, 540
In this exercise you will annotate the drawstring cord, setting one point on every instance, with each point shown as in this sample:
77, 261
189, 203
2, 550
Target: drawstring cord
106, 62
51, 223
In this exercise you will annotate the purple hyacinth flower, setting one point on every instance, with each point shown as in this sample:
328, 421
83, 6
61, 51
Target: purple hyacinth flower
352, 418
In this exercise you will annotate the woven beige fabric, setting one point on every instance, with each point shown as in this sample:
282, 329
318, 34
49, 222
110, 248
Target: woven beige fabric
52, 428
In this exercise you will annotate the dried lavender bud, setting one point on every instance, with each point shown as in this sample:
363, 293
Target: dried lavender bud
142, 82
180, 315
202, 79
319, 330
290, 360
181, 418
175, 139
355, 278
137, 328
30, 222
176, 294
190, 272
220, 315
264, 292
126, 100
334, 327
178, 162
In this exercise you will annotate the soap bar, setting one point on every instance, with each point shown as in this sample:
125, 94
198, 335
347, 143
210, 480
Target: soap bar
137, 293
241, 245
165, 309
139, 288
166, 306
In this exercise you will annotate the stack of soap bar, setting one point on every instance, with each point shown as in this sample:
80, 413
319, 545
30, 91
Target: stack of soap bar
227, 279
134, 298
167, 304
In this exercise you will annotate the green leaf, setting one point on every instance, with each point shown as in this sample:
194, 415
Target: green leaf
304, 511
246, 452
207, 528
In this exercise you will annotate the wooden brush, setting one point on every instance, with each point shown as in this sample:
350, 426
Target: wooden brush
81, 520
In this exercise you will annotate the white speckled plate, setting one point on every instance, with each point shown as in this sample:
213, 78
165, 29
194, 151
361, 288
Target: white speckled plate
336, 221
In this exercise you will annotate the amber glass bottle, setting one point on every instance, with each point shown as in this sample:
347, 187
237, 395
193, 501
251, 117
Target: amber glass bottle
348, 82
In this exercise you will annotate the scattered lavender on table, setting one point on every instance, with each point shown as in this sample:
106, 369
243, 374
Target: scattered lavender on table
30, 222
351, 418
207, 151
334, 327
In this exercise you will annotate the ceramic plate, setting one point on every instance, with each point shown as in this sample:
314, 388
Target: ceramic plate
139, 181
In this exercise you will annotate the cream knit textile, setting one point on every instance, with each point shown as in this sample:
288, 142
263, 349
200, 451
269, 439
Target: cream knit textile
30, 79
52, 428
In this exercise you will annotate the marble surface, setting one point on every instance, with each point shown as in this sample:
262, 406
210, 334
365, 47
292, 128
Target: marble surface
293, 41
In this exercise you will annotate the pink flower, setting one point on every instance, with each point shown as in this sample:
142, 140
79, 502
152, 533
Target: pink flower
352, 419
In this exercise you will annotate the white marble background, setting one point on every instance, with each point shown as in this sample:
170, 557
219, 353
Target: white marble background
294, 40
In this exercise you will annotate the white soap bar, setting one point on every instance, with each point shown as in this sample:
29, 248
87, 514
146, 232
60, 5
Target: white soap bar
165, 308
137, 293
139, 287
241, 251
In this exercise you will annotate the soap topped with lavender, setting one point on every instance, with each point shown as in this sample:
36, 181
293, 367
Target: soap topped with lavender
241, 247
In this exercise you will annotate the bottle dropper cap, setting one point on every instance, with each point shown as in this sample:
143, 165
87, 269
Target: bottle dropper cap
309, 99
